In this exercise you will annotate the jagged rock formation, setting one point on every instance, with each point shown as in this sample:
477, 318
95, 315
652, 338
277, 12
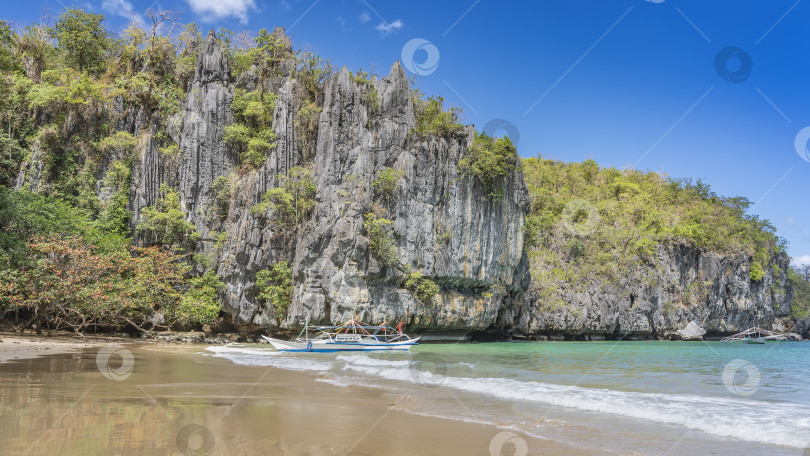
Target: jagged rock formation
689, 285
445, 226
335, 276
206, 112
802, 328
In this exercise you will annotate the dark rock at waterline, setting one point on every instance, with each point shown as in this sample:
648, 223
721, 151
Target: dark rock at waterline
803, 328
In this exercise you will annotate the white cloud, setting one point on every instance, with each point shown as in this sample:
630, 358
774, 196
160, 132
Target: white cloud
388, 27
286, 5
364, 18
797, 261
121, 8
212, 10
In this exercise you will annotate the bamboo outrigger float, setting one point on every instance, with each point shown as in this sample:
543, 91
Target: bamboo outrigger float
756, 335
353, 335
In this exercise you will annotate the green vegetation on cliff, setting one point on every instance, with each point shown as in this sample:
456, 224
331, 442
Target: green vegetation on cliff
62, 270
251, 132
291, 202
90, 126
432, 119
589, 222
67, 259
490, 160
800, 277
274, 287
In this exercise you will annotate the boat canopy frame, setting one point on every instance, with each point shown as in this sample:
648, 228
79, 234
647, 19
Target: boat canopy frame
382, 333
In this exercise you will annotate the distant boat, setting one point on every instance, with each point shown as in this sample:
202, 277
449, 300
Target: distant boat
754, 340
756, 335
353, 335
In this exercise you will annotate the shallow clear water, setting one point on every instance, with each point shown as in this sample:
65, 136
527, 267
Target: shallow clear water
624, 397
173, 400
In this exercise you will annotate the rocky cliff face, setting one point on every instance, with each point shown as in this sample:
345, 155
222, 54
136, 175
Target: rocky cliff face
444, 224
688, 284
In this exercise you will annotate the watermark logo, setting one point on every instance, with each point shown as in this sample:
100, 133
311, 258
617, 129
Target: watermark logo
580, 217
115, 362
741, 377
496, 445
428, 373
420, 56
509, 129
195, 440
733, 64
656, 1
802, 142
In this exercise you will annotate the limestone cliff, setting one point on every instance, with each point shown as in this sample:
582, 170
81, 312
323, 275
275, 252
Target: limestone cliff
445, 225
687, 284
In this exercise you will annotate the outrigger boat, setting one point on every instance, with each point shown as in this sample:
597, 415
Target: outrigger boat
754, 340
756, 335
353, 335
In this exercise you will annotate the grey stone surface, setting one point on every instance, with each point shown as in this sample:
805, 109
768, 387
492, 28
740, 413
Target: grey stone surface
444, 224
692, 332
652, 300
335, 276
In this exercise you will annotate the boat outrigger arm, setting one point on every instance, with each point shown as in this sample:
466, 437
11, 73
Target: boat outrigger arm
353, 335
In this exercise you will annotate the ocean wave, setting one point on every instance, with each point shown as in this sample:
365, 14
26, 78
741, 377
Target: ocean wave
743, 419
267, 357
361, 360
747, 420
233, 349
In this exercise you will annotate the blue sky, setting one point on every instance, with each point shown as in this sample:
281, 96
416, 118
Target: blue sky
629, 83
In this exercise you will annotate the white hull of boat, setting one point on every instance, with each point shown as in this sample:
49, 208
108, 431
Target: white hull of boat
758, 340
332, 346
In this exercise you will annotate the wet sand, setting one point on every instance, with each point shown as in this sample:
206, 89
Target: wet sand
15, 346
147, 399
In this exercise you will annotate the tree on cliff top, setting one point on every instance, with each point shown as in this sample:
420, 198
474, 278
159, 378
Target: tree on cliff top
82, 39
7, 45
490, 160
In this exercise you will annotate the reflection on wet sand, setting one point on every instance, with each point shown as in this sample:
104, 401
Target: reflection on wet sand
175, 401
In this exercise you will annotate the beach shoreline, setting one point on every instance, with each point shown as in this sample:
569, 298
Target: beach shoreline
28, 345
244, 409
250, 397
15, 346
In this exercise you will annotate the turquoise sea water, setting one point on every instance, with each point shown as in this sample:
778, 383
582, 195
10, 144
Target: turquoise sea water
618, 397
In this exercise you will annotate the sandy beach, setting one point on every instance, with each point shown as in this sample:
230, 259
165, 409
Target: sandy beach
26, 346
174, 399
31, 345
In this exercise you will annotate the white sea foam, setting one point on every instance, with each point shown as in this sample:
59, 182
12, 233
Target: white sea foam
747, 420
233, 349
362, 360
744, 419
267, 357
754, 421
